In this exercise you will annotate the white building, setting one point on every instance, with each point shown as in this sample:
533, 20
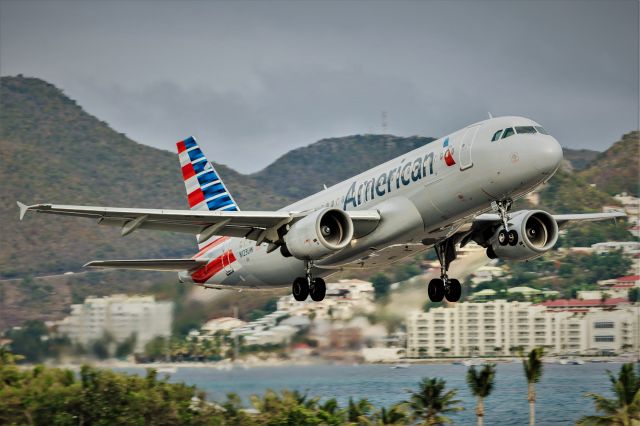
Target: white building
498, 327
119, 316
627, 247
215, 325
343, 301
486, 273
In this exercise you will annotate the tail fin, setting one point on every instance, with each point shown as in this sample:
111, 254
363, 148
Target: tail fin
205, 189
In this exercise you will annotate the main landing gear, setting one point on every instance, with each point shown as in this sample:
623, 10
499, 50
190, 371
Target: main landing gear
445, 287
308, 286
505, 236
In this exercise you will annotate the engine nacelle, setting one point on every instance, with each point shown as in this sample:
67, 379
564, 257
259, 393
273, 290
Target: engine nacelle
537, 233
319, 234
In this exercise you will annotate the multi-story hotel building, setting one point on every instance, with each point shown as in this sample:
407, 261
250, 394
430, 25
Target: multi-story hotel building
119, 316
502, 328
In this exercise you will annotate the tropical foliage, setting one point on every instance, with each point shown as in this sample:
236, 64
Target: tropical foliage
481, 384
53, 396
430, 404
533, 372
624, 408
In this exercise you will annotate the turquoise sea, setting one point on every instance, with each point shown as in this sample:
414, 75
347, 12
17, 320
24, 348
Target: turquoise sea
561, 391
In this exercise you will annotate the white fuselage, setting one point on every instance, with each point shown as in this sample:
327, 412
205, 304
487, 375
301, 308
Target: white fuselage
423, 196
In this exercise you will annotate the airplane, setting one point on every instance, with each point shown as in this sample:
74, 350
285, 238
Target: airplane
447, 193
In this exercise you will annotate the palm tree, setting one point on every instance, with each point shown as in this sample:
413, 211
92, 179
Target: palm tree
358, 411
481, 384
533, 371
624, 409
394, 415
431, 402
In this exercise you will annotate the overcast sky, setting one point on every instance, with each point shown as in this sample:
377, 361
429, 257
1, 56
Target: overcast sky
252, 80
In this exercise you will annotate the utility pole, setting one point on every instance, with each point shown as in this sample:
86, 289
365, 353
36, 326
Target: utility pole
384, 122
236, 341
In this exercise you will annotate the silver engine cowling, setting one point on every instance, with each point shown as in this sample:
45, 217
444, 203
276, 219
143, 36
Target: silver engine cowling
537, 233
319, 234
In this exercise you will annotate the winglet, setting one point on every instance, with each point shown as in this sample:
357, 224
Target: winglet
23, 209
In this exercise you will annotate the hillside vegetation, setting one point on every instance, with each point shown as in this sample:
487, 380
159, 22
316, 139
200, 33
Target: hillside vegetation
617, 169
53, 151
579, 158
303, 171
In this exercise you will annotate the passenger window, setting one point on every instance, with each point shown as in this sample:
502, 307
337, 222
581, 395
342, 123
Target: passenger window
507, 132
525, 129
541, 130
496, 135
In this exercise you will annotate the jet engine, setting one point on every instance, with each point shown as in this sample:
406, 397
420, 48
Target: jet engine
318, 234
537, 232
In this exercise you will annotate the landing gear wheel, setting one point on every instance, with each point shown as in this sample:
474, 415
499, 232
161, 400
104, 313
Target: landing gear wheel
453, 290
503, 237
317, 290
300, 289
512, 237
436, 290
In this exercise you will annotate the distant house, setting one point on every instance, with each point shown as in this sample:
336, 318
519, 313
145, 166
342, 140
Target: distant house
628, 281
627, 247
485, 294
527, 292
215, 325
582, 305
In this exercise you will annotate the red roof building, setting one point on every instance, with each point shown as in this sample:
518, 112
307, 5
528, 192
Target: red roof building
625, 282
579, 305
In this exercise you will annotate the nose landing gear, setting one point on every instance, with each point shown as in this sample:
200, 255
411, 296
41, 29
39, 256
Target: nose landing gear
445, 287
308, 286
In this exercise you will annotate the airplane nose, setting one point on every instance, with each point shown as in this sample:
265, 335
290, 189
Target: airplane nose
548, 155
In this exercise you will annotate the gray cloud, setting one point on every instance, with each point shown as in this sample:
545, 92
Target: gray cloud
254, 79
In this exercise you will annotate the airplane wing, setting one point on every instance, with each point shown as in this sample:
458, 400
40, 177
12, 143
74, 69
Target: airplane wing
150, 264
561, 219
254, 225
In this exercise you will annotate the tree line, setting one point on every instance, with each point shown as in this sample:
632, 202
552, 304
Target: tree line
54, 396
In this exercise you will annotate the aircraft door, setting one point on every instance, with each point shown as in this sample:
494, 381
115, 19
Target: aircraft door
226, 261
466, 161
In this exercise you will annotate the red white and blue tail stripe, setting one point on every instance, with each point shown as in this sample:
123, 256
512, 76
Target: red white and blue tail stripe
205, 189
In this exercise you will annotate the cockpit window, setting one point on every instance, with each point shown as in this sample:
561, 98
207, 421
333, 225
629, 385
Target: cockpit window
525, 129
507, 132
496, 135
540, 129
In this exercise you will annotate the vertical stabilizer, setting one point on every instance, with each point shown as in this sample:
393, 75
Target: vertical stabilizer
205, 189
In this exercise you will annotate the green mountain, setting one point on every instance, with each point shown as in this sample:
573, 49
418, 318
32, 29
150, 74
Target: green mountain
303, 171
568, 192
579, 158
53, 151
617, 169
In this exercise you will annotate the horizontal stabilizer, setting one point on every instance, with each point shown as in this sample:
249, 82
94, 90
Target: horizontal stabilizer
150, 264
23, 209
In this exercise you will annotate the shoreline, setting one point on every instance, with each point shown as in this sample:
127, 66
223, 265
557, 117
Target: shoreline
247, 364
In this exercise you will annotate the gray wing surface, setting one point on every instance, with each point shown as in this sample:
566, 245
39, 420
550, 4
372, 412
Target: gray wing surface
247, 224
562, 219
